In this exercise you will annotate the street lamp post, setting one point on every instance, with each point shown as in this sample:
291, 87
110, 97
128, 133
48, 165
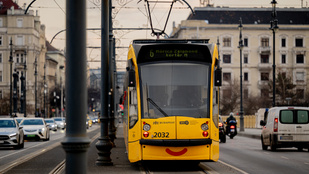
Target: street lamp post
35, 86
25, 86
274, 27
11, 64
240, 27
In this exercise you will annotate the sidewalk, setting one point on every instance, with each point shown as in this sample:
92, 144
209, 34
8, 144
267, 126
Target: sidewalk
121, 164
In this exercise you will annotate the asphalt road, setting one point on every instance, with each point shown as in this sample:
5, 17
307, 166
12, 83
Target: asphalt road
240, 155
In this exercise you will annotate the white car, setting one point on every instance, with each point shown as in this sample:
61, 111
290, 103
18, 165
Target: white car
51, 123
11, 134
285, 127
35, 128
60, 122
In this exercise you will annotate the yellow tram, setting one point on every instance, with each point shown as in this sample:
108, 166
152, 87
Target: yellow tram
170, 100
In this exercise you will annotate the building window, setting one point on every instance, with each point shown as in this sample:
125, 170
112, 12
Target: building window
265, 93
0, 57
246, 58
300, 76
283, 42
1, 40
19, 22
245, 42
264, 58
227, 93
0, 76
283, 59
227, 77
19, 57
300, 93
300, 58
20, 40
246, 76
265, 42
227, 42
0, 94
227, 58
265, 76
1, 22
299, 42
246, 93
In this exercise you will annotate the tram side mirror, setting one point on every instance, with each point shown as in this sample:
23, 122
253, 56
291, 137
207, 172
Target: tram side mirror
218, 77
131, 78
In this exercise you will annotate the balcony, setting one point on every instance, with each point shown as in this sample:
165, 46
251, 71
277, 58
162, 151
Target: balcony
265, 66
264, 50
299, 50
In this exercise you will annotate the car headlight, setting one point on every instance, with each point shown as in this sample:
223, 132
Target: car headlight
13, 135
61, 123
41, 130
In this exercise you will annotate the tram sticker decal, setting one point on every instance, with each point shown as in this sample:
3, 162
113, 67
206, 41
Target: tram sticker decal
183, 151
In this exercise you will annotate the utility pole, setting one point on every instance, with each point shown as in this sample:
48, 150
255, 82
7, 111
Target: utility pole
35, 86
25, 86
104, 144
11, 64
76, 141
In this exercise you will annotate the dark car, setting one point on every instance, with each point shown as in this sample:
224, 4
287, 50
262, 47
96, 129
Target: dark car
222, 135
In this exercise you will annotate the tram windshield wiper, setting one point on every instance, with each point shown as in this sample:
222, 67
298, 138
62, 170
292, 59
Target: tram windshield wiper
156, 106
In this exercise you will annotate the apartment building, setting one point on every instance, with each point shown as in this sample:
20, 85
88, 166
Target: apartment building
22, 38
291, 44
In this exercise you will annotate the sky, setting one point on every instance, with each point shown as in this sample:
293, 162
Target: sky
129, 14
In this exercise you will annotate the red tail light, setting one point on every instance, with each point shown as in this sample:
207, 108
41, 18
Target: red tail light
205, 134
276, 125
232, 127
146, 134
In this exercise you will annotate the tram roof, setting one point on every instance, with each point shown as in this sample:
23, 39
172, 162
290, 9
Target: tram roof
171, 41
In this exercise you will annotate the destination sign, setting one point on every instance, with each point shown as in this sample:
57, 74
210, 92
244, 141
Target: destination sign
174, 52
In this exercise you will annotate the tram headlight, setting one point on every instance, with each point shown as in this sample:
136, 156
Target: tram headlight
204, 127
146, 127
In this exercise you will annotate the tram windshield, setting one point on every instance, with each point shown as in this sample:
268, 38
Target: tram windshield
175, 89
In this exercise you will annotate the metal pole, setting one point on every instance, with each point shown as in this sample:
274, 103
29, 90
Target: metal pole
35, 86
25, 86
44, 79
274, 71
104, 144
112, 129
76, 141
11, 64
242, 129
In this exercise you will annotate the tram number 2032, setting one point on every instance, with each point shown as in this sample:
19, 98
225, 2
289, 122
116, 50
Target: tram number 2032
161, 135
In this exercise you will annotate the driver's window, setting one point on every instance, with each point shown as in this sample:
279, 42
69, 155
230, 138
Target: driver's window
133, 109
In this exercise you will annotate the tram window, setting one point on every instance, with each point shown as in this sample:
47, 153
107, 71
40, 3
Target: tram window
133, 107
175, 89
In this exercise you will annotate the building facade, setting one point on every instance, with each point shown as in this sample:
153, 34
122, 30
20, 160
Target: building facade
24, 53
291, 45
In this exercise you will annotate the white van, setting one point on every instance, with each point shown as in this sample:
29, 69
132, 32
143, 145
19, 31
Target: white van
285, 127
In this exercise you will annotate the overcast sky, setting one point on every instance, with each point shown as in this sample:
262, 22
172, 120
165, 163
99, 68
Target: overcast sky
129, 13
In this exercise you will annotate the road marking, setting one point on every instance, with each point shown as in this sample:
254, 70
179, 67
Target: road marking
307, 163
233, 167
284, 157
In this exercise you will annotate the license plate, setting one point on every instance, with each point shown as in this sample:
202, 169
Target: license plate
30, 136
232, 130
286, 138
